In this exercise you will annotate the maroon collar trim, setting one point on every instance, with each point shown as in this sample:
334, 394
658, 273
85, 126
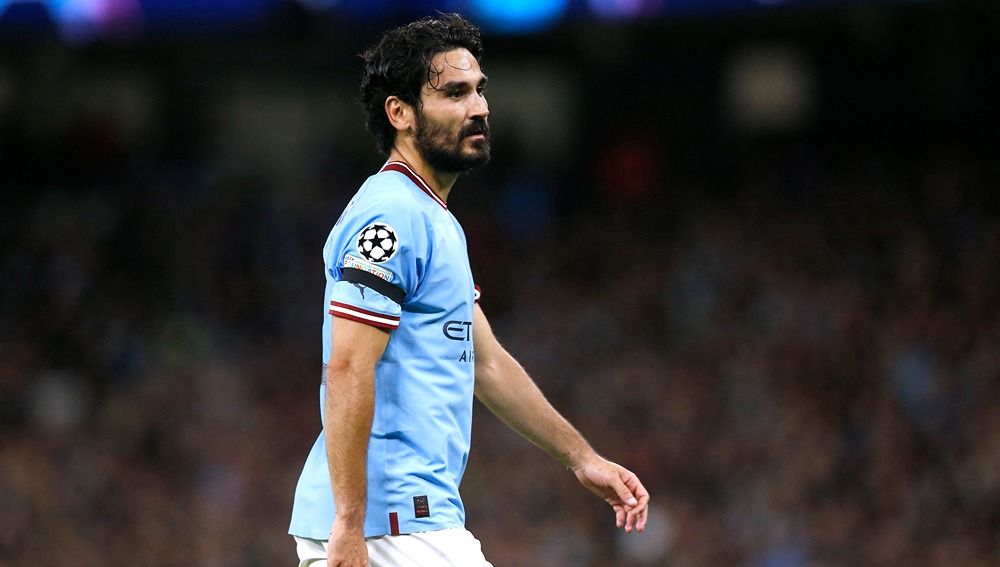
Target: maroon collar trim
415, 178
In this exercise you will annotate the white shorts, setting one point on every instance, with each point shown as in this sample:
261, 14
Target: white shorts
453, 547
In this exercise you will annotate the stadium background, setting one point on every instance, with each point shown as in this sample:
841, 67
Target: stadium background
751, 249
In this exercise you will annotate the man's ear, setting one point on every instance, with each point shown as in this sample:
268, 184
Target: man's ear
400, 113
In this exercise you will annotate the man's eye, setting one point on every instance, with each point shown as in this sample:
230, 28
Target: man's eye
455, 94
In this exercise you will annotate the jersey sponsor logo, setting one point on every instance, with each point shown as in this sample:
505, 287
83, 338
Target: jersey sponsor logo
365, 266
377, 242
457, 330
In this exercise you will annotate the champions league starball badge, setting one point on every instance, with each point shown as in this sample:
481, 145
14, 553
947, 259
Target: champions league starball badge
377, 242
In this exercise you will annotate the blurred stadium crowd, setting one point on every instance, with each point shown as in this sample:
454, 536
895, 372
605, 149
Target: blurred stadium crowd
793, 343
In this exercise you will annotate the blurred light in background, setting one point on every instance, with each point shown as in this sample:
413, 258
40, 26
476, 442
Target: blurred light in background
77, 20
615, 9
518, 16
85, 20
768, 88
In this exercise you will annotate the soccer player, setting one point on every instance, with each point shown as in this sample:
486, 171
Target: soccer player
406, 345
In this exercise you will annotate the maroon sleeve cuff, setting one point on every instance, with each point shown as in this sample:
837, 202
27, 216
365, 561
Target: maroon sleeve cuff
373, 318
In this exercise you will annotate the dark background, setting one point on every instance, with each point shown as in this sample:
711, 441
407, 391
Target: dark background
751, 251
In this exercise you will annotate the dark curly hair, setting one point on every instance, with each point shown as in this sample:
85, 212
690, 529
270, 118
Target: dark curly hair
400, 63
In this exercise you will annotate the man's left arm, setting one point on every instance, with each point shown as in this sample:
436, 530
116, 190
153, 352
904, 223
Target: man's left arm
503, 386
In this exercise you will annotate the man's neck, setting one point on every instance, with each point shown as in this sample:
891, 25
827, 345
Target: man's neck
440, 182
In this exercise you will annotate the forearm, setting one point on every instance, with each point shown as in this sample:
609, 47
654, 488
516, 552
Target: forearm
349, 407
505, 388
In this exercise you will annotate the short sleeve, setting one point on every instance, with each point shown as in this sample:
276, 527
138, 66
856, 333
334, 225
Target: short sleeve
364, 305
376, 262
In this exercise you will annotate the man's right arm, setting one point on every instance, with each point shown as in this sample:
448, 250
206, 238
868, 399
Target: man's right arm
349, 407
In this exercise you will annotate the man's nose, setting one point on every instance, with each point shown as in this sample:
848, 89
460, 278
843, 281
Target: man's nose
480, 108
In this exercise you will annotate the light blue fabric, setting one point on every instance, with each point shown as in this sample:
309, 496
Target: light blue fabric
424, 381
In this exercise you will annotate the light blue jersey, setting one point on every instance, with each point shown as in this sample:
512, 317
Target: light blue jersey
397, 259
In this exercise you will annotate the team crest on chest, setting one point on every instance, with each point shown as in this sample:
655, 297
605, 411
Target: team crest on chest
377, 242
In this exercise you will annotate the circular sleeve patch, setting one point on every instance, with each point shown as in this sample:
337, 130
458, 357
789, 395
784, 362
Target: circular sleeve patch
377, 242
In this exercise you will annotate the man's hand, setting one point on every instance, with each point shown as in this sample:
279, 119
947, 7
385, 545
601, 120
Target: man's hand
620, 488
346, 547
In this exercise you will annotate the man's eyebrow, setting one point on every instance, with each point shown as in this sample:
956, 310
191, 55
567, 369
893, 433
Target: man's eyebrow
451, 85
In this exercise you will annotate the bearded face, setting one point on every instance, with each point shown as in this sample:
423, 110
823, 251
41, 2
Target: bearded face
455, 149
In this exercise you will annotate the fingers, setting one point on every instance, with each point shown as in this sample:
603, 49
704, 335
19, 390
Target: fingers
636, 520
636, 487
623, 492
641, 524
630, 518
636, 511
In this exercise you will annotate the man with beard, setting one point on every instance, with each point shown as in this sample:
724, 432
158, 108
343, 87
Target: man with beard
406, 345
